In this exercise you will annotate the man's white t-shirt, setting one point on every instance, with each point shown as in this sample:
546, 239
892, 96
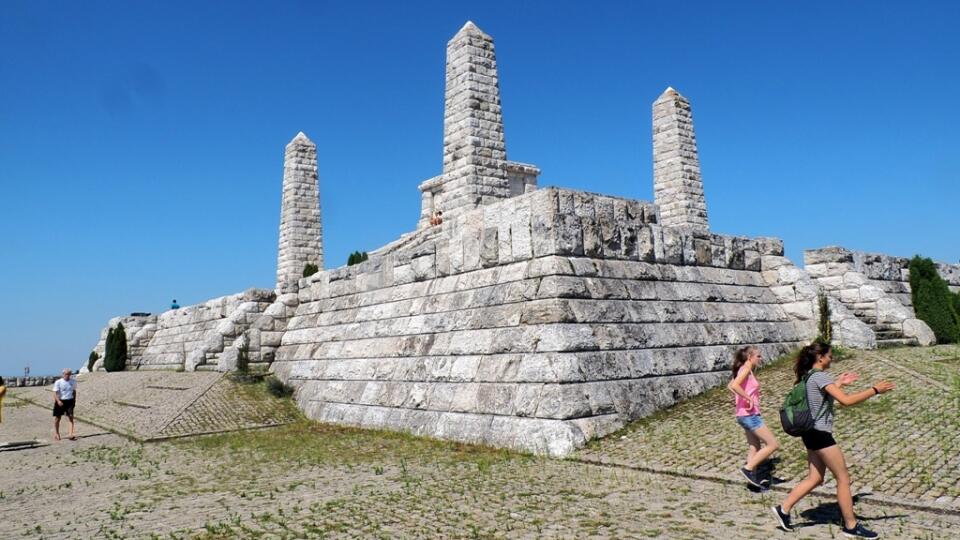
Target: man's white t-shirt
64, 389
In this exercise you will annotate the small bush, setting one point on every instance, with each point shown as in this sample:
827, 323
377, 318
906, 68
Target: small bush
115, 355
357, 257
933, 302
310, 269
824, 326
278, 388
92, 359
243, 357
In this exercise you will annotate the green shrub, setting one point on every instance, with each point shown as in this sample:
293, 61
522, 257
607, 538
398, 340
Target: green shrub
92, 359
243, 357
357, 257
824, 326
310, 269
278, 388
115, 355
933, 302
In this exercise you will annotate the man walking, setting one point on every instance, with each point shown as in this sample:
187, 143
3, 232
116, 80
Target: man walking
64, 399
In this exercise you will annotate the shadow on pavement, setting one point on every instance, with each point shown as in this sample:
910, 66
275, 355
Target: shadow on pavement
829, 513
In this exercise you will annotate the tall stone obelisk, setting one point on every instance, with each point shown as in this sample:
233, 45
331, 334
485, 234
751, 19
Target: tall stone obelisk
474, 151
677, 185
301, 233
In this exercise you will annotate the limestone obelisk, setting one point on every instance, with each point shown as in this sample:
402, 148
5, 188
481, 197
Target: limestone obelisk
301, 233
474, 151
677, 185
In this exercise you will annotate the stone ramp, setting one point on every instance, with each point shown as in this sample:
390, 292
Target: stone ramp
154, 405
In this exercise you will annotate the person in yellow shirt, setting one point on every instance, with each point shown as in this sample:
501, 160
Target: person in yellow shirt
3, 391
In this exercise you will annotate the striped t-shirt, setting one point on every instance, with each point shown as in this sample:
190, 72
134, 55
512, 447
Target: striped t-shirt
816, 395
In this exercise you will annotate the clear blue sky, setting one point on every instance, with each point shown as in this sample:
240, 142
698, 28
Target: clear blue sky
141, 143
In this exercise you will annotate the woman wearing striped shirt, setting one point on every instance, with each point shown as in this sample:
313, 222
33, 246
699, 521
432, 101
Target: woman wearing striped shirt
823, 452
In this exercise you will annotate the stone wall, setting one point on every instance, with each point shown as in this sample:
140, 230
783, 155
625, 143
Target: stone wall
21, 382
535, 323
877, 289
138, 329
799, 293
191, 337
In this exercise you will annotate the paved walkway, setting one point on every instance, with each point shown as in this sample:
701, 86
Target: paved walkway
903, 447
308, 480
151, 405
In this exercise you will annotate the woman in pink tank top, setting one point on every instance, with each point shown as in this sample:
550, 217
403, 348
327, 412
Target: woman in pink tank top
746, 390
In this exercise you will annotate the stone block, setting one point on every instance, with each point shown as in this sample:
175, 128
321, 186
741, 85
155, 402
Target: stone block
703, 253
832, 254
849, 296
751, 260
646, 250
489, 247
915, 328
569, 235
672, 247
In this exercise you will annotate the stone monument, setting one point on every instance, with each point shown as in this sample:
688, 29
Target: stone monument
530, 318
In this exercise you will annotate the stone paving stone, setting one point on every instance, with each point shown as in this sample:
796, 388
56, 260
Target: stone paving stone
342, 483
903, 445
149, 405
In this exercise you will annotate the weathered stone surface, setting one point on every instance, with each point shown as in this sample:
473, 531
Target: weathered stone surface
677, 185
301, 232
876, 287
529, 319
917, 329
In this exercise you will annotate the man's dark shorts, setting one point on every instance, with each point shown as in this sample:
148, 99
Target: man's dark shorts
65, 409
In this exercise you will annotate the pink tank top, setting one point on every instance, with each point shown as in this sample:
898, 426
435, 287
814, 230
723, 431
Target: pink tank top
752, 387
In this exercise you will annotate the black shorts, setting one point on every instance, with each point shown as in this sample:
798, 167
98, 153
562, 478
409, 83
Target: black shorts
65, 409
818, 440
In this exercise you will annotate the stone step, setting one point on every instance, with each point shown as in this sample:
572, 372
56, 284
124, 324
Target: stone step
207, 367
886, 327
889, 335
902, 342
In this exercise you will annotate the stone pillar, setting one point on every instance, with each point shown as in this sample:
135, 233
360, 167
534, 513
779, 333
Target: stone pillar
474, 152
301, 233
677, 185
426, 208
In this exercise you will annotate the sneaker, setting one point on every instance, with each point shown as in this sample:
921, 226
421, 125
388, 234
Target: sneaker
751, 477
782, 518
859, 531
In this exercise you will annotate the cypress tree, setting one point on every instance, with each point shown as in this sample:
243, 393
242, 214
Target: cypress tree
92, 359
933, 302
826, 330
115, 356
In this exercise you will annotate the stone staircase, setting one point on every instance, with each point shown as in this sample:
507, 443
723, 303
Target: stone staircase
888, 335
211, 361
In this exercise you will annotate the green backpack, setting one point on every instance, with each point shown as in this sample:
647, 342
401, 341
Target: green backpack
795, 415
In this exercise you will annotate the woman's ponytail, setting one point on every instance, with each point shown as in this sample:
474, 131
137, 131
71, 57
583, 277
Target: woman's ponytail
808, 356
739, 359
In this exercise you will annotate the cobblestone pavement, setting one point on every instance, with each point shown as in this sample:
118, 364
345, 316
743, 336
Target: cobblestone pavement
903, 446
309, 480
149, 405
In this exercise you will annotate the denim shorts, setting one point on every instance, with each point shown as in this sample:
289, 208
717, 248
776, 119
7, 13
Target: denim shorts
752, 422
